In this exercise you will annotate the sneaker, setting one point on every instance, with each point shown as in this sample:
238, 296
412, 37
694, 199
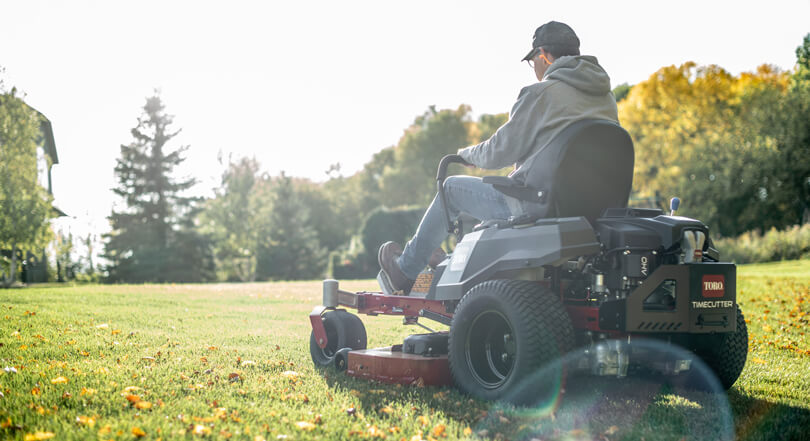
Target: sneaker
393, 275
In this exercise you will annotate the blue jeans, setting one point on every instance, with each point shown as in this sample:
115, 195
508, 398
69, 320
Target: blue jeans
465, 194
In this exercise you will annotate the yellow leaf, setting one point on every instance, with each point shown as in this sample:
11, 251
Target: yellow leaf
105, 326
131, 388
439, 430
86, 421
35, 391
201, 430
88, 391
133, 398
467, 431
305, 425
115, 332
387, 410
291, 375
39, 436
138, 432
104, 430
5, 424
422, 420
59, 380
143, 405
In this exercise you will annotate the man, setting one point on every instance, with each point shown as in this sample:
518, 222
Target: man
571, 87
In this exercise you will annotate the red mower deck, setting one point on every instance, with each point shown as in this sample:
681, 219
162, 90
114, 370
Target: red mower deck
387, 366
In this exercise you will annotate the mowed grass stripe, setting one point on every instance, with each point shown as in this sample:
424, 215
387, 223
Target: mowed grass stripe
232, 361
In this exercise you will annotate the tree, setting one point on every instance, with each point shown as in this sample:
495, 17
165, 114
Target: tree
731, 147
411, 178
621, 91
293, 251
152, 237
65, 265
235, 220
25, 206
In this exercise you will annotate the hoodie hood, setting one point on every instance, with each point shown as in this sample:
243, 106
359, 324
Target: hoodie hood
582, 72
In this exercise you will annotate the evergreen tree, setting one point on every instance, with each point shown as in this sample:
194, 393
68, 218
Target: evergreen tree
293, 251
153, 237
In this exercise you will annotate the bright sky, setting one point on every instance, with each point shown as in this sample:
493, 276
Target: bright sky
301, 85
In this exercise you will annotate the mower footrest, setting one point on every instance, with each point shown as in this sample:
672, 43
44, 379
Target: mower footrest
387, 366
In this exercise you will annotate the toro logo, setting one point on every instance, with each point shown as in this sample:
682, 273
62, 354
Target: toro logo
714, 285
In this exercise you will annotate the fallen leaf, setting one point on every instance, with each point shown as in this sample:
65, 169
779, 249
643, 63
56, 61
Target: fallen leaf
305, 425
201, 430
87, 391
612, 430
138, 432
131, 388
86, 420
387, 410
105, 326
133, 398
39, 436
438, 430
35, 391
143, 405
291, 375
59, 380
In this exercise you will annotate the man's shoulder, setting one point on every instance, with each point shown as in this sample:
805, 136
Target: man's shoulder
536, 88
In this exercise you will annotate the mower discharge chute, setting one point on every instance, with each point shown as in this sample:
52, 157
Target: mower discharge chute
583, 276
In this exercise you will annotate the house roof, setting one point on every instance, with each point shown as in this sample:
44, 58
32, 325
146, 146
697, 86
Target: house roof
46, 136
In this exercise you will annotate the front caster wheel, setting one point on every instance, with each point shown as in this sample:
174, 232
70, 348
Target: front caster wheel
504, 332
343, 330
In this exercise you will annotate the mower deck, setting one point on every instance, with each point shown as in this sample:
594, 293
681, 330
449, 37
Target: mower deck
389, 365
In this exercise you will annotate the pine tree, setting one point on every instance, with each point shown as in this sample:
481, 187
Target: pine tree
153, 237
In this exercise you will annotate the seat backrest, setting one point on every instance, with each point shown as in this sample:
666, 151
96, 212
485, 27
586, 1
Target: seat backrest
585, 170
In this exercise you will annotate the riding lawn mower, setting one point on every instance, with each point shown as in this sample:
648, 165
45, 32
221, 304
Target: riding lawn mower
583, 276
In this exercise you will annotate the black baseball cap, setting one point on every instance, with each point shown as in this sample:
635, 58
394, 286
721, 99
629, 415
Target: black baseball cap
556, 34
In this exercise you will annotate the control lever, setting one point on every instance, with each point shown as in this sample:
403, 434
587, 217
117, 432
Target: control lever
673, 205
452, 227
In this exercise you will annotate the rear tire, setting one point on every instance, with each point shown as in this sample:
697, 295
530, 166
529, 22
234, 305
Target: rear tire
726, 353
503, 332
343, 330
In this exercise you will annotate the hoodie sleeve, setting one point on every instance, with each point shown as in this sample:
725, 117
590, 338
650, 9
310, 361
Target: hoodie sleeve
513, 140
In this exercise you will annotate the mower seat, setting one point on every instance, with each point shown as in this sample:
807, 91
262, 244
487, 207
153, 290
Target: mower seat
587, 169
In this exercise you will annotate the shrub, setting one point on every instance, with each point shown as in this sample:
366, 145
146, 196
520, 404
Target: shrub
753, 247
359, 261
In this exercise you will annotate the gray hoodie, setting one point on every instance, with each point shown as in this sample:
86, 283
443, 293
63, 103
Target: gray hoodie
574, 88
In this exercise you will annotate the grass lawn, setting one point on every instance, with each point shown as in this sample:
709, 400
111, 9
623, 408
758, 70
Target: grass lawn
232, 361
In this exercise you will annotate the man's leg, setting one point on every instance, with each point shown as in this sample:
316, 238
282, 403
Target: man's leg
466, 194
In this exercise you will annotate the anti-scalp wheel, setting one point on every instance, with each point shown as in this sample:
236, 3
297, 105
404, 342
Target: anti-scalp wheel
343, 330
